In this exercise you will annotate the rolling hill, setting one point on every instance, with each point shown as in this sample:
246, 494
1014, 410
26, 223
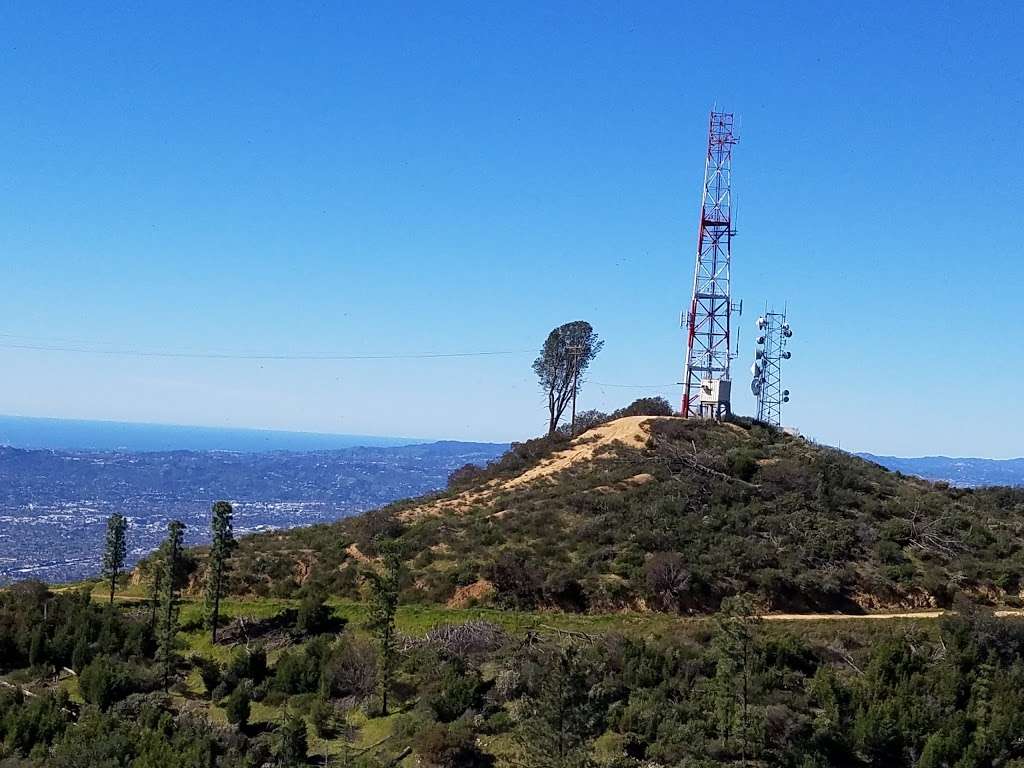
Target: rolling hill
660, 513
597, 545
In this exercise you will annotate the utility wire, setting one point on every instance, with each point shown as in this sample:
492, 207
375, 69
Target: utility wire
79, 346
632, 386
254, 355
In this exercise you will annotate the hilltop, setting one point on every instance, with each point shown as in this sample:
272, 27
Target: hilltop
661, 513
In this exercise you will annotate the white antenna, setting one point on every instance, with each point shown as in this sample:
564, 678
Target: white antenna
775, 332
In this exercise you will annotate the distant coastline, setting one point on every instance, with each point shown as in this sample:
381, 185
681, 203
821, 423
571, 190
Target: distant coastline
84, 435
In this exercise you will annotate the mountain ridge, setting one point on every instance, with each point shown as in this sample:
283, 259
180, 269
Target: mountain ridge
964, 471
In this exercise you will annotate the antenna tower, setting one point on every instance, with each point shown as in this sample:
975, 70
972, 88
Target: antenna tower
773, 334
706, 384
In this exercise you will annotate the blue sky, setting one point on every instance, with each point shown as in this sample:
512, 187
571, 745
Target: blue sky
385, 178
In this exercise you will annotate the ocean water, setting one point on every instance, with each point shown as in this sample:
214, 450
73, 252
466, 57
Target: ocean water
78, 435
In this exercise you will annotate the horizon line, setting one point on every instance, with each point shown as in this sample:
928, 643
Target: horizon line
397, 439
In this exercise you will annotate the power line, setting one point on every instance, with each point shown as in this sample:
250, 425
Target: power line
254, 355
83, 347
633, 386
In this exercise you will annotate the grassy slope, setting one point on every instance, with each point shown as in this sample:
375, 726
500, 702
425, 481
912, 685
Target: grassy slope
417, 619
726, 509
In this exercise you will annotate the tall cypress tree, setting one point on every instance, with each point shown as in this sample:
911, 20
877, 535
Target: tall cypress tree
738, 657
384, 586
169, 582
115, 550
220, 550
155, 584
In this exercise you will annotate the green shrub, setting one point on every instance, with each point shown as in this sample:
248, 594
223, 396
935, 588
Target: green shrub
237, 706
209, 672
322, 717
451, 746
104, 681
314, 617
646, 406
458, 690
742, 463
293, 742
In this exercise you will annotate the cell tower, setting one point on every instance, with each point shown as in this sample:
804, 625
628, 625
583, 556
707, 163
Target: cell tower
773, 333
706, 383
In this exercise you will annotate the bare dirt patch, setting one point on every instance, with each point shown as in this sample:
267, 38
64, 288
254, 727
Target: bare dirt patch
354, 552
628, 432
477, 592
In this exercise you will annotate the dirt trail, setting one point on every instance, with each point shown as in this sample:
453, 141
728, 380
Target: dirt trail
1001, 613
846, 616
1005, 613
628, 431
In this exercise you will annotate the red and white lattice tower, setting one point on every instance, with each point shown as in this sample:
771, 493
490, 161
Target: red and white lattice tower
706, 382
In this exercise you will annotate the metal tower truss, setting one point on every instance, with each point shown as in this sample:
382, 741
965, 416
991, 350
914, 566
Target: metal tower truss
773, 334
708, 322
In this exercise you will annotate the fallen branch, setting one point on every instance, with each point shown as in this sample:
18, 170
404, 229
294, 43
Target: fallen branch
571, 633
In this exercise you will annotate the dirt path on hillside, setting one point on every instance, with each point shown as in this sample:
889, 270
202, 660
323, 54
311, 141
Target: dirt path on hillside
1001, 613
845, 616
1006, 613
628, 431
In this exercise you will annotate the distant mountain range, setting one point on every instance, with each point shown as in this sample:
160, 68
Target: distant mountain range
54, 503
967, 472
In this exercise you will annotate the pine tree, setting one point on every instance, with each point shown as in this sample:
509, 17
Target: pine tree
220, 550
559, 716
115, 550
237, 707
737, 646
168, 593
293, 742
155, 585
384, 586
37, 651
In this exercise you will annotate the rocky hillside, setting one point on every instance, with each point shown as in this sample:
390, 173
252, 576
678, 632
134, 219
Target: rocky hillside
667, 514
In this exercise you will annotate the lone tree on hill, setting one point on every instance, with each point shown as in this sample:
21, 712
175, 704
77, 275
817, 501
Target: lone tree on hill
115, 550
220, 550
567, 353
169, 582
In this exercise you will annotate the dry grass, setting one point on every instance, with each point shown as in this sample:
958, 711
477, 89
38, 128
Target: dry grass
629, 432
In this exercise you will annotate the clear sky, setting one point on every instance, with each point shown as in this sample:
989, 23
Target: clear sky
384, 178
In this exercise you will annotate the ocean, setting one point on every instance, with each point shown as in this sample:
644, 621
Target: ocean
81, 435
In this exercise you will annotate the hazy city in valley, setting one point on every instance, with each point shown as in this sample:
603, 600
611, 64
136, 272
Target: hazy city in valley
56, 503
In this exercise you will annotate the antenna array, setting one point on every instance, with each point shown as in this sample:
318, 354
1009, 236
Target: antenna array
773, 334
